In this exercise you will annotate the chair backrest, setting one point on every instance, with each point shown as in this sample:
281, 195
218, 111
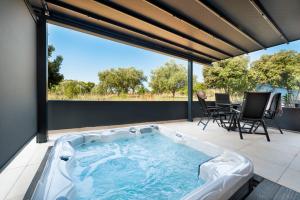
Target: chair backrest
275, 106
201, 98
254, 105
222, 98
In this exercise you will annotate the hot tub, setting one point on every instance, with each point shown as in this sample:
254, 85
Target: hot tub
142, 162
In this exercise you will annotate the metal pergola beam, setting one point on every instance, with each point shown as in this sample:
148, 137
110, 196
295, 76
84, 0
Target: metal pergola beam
262, 11
42, 79
229, 22
148, 20
193, 23
125, 26
113, 34
190, 90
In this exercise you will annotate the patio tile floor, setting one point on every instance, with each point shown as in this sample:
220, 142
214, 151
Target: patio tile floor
278, 160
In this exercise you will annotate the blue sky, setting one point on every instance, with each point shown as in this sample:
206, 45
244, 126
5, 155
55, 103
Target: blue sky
85, 55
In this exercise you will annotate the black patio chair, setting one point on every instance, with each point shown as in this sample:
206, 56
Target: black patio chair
222, 98
252, 111
209, 112
273, 112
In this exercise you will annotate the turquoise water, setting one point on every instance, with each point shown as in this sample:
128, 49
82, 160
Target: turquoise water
150, 166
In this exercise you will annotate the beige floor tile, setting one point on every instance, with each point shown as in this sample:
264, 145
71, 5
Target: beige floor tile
20, 197
39, 154
269, 154
284, 147
266, 169
295, 165
231, 145
24, 180
288, 138
291, 179
7, 179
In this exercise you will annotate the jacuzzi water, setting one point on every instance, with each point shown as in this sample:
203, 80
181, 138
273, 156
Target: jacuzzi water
149, 166
143, 162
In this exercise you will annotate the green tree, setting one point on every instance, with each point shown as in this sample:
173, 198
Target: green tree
169, 78
121, 80
86, 86
198, 86
68, 88
281, 69
142, 90
54, 77
99, 89
72, 88
230, 74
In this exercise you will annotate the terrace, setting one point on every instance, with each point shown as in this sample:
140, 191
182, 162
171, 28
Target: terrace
198, 31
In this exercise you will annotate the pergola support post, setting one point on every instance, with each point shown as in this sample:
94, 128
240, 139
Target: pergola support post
190, 90
42, 80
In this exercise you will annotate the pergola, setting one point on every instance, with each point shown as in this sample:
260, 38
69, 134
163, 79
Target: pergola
202, 31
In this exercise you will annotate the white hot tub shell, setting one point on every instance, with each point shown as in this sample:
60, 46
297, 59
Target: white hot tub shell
224, 174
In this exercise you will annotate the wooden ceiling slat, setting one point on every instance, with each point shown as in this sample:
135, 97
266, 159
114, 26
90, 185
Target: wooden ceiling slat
118, 35
204, 30
116, 23
188, 20
141, 17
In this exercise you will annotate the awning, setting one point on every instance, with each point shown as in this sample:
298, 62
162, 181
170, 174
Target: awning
201, 30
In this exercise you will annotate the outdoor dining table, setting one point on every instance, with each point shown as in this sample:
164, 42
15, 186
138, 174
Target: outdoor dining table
232, 113
233, 105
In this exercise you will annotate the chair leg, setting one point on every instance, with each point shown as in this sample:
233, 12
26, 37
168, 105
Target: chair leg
250, 130
278, 126
256, 127
217, 122
240, 130
266, 131
279, 129
230, 120
221, 121
214, 118
206, 123
199, 121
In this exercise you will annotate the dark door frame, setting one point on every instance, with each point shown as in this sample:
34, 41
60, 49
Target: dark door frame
190, 90
42, 79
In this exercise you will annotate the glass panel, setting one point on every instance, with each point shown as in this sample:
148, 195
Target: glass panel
85, 67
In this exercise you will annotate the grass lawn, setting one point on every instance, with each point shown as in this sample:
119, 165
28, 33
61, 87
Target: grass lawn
135, 97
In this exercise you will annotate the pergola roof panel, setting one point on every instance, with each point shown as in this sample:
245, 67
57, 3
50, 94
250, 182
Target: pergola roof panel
286, 14
150, 11
204, 30
88, 20
246, 16
103, 24
199, 14
134, 23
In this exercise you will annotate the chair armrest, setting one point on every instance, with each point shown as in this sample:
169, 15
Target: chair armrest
235, 110
213, 108
217, 107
